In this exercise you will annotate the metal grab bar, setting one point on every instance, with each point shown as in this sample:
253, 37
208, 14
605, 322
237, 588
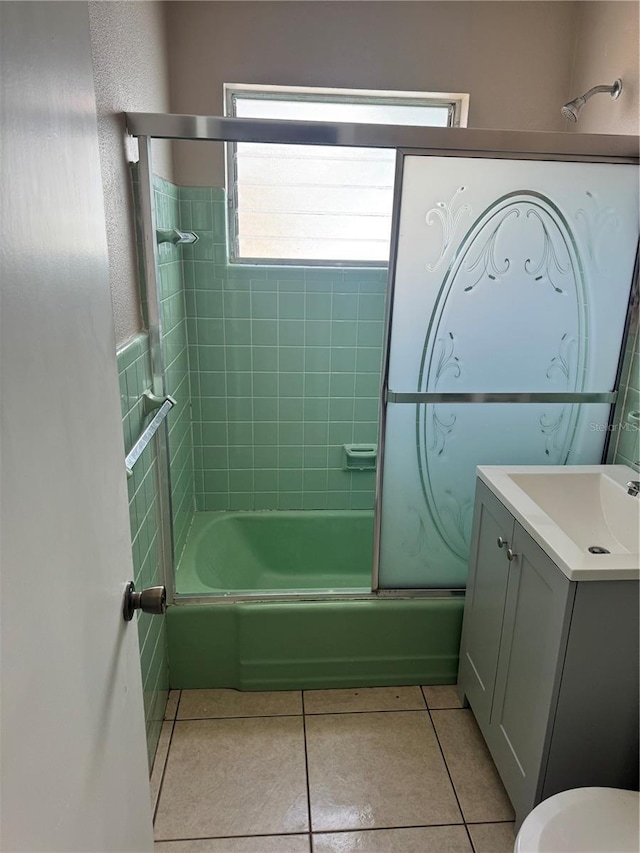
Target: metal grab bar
147, 434
502, 397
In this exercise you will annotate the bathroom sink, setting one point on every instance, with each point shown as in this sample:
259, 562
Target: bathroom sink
581, 515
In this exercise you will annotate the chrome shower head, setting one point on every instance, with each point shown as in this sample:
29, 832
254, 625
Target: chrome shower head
571, 110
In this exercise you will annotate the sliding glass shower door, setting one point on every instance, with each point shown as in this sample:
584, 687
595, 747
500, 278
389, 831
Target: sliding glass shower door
511, 284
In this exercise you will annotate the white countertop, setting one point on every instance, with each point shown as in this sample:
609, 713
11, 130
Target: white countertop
596, 514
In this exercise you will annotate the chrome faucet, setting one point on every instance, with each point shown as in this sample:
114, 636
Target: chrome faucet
633, 488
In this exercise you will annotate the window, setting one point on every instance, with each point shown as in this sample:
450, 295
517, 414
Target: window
320, 205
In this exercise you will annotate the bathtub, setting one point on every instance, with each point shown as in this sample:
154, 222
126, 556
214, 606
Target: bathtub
332, 632
238, 553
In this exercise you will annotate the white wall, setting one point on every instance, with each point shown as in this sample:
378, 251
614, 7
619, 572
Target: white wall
73, 770
128, 43
607, 46
514, 58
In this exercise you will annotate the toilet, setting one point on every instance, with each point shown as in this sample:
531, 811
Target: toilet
583, 820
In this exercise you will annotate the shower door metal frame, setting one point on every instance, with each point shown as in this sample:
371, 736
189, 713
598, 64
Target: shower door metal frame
406, 140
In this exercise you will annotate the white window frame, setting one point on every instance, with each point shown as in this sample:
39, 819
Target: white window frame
458, 109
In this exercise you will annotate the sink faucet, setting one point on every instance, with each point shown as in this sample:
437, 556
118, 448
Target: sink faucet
633, 488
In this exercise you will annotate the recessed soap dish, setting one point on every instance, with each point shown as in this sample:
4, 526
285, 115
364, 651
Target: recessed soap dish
360, 457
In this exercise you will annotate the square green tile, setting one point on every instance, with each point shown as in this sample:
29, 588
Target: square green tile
317, 359
265, 384
344, 306
265, 432
314, 500
317, 306
264, 306
369, 360
291, 332
291, 306
238, 358
290, 457
315, 456
240, 433
241, 481
343, 360
316, 384
264, 358
216, 481
290, 409
237, 332
265, 408
342, 385
370, 334
264, 332
316, 409
239, 384
314, 480
289, 433
240, 458
265, 480
344, 333
290, 384
266, 457
240, 408
317, 333
366, 409
316, 433
237, 304
215, 458
291, 359
212, 384
371, 307
290, 480
368, 384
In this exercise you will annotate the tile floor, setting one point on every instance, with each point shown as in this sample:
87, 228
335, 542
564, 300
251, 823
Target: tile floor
374, 770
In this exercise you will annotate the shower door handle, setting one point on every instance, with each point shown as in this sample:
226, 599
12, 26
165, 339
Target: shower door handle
151, 600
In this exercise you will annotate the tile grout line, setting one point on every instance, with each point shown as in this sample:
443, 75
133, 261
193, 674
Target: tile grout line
306, 773
166, 760
453, 787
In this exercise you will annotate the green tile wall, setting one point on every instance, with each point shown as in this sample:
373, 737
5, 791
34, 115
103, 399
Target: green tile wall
134, 373
627, 446
285, 369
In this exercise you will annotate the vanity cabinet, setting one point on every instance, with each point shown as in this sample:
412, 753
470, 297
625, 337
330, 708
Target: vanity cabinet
549, 666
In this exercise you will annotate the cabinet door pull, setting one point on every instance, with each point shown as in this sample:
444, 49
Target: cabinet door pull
510, 555
502, 542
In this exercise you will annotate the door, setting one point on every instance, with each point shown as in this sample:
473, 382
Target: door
484, 610
73, 756
534, 635
510, 289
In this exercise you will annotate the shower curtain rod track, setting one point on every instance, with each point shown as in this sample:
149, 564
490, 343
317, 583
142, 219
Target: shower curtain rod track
450, 141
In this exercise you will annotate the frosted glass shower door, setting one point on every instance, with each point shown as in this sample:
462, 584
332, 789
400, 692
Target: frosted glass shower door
510, 292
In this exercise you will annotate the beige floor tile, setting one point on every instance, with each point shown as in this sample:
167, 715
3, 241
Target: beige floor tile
377, 770
234, 777
159, 761
492, 837
442, 696
203, 704
424, 839
172, 705
259, 844
480, 791
363, 699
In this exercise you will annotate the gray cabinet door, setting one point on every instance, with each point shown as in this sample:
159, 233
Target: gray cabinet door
536, 624
486, 591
